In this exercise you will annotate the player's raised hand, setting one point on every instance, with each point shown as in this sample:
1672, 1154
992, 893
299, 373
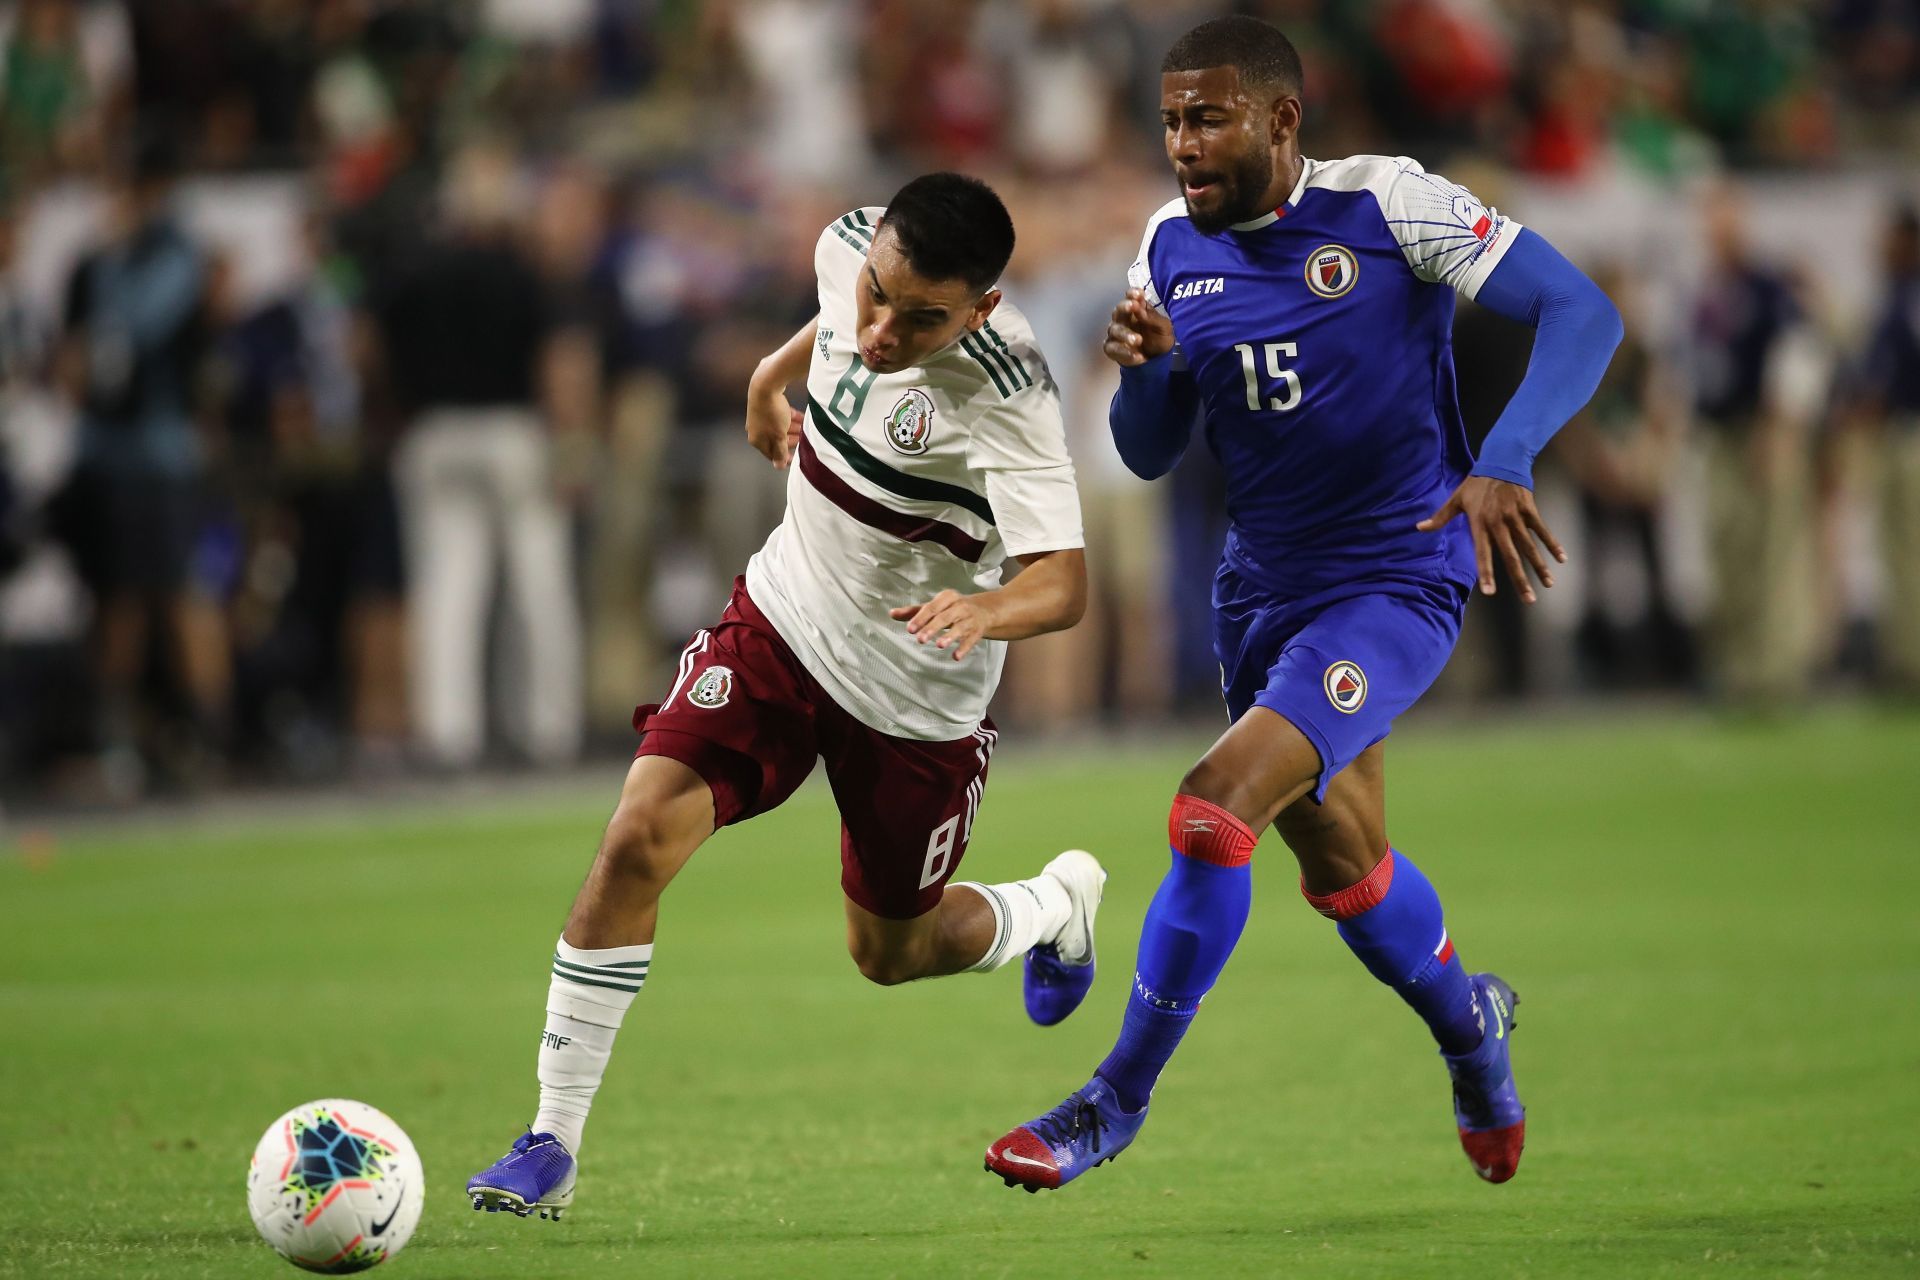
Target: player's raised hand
1137, 333
949, 620
773, 427
1502, 517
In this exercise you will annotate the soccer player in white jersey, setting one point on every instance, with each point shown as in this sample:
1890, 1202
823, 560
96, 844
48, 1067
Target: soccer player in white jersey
869, 630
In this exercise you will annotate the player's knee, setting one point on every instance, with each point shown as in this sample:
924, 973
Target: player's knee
640, 845
883, 965
1217, 786
1207, 832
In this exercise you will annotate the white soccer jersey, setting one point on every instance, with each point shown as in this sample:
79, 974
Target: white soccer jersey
905, 484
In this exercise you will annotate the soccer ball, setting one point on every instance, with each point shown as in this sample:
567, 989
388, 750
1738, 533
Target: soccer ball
335, 1186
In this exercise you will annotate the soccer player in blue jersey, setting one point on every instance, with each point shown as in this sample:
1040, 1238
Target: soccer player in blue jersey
1301, 309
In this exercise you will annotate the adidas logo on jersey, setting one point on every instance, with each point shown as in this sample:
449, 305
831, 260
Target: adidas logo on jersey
1194, 288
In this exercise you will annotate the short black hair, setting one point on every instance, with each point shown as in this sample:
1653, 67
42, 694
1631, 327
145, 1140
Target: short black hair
951, 227
1266, 58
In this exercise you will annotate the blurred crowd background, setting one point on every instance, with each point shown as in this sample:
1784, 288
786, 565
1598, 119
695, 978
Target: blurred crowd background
371, 371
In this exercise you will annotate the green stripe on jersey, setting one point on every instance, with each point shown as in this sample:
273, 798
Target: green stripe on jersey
973, 346
1006, 355
864, 234
919, 488
853, 241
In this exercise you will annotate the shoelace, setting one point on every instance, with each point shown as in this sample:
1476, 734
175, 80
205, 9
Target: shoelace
1068, 1120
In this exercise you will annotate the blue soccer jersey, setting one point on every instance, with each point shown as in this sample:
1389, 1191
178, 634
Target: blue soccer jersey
1318, 337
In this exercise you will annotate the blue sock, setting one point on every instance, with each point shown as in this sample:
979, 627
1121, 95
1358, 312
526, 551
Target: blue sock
1393, 922
1191, 928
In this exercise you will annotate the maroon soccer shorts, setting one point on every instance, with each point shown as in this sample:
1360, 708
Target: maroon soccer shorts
749, 719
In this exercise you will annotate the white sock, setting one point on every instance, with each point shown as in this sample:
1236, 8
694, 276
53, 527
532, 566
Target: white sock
1026, 914
587, 999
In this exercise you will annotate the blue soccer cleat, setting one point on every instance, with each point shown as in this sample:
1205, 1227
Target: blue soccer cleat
536, 1174
1486, 1107
1082, 1133
1059, 973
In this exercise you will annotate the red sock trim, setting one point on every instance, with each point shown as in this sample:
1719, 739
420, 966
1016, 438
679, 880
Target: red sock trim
1204, 831
1349, 902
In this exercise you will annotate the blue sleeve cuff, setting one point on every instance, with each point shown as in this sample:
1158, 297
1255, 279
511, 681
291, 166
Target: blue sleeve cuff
1493, 470
1152, 416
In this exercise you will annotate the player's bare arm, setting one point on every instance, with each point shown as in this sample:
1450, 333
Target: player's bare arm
773, 425
1050, 594
1503, 518
1137, 333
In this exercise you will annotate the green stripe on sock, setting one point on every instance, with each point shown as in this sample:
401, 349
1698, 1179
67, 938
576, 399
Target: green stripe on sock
632, 990
1002, 920
611, 964
623, 976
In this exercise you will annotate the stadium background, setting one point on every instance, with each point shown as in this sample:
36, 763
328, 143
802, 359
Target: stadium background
1655, 797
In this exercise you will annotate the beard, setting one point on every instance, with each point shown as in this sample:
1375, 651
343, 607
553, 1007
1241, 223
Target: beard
1242, 192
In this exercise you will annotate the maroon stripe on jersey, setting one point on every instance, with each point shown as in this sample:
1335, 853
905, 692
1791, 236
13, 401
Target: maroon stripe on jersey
870, 513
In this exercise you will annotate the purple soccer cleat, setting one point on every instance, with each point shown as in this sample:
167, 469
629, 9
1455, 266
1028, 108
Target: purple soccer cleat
1082, 1133
1059, 974
1486, 1107
537, 1173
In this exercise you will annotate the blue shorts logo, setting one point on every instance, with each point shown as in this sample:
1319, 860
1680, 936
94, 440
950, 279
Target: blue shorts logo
1346, 686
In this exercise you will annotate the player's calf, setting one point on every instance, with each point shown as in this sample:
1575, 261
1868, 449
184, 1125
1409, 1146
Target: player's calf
665, 813
980, 927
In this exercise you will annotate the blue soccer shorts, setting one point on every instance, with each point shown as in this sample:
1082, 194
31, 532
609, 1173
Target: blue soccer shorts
1339, 664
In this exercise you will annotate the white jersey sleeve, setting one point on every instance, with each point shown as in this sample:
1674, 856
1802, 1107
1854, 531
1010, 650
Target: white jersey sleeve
838, 253
1140, 274
1019, 447
1446, 234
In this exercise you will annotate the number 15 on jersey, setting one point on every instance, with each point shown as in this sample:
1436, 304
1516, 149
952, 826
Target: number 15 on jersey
1288, 381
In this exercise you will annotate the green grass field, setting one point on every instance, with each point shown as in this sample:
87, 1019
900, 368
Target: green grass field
1716, 932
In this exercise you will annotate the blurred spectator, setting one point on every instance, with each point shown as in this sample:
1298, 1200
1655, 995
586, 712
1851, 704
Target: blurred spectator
1890, 403
1756, 375
808, 125
736, 129
470, 346
1062, 102
1074, 243
135, 334
59, 77
627, 508
1490, 354
933, 97
317, 619
1623, 450
742, 285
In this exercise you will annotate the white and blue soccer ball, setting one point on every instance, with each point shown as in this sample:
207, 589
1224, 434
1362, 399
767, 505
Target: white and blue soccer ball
335, 1186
